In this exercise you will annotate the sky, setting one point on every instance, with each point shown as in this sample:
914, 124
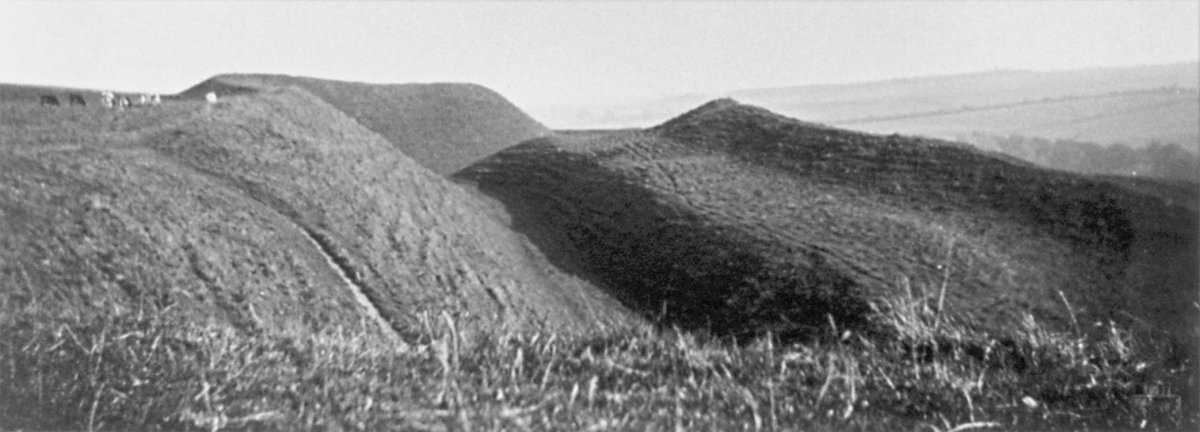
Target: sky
542, 53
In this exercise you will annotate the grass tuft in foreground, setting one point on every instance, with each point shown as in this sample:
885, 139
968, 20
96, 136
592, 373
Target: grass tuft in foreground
131, 372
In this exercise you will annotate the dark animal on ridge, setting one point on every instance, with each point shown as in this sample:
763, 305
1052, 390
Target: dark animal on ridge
76, 99
49, 100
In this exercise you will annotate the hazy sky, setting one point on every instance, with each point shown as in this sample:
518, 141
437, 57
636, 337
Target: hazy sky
545, 53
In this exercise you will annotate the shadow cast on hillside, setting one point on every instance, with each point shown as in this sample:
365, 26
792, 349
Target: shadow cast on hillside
665, 263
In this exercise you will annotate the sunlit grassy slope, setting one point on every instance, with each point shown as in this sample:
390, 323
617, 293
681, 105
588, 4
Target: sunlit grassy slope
250, 213
95, 222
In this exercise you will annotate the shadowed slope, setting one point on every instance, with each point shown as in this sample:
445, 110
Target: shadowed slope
260, 211
741, 220
444, 127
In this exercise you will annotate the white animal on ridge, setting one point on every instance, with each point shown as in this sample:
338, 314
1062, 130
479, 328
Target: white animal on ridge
155, 99
211, 97
106, 99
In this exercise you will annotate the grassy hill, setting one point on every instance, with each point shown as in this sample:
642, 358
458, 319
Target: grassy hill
96, 224
268, 245
733, 219
269, 263
260, 212
444, 127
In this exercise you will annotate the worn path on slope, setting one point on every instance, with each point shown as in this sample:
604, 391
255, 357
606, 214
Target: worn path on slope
357, 290
342, 271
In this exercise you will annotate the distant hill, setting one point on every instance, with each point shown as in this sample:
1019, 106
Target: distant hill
922, 94
1133, 105
738, 220
269, 212
1130, 105
444, 127
1164, 115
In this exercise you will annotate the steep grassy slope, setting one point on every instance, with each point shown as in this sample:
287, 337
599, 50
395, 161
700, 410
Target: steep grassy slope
265, 210
444, 127
95, 222
739, 220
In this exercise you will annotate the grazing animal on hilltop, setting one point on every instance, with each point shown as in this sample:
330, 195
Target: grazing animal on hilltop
123, 102
211, 97
155, 99
106, 99
76, 99
50, 100
136, 101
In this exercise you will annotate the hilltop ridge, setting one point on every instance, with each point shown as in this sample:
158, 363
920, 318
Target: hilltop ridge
726, 117
443, 126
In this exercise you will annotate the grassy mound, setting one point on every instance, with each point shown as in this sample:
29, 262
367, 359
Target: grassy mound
94, 222
197, 267
735, 220
267, 211
444, 127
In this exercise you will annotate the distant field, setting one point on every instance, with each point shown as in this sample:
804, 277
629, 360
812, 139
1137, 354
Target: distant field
1136, 119
1134, 105
922, 94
